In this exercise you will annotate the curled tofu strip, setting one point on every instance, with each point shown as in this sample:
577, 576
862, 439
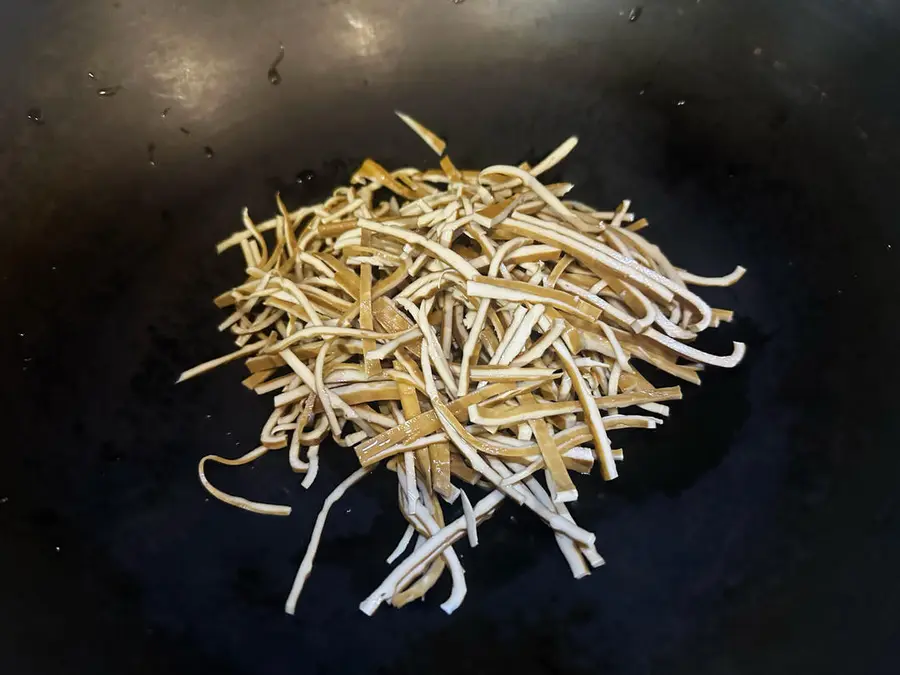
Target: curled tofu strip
470, 331
240, 502
539, 189
442, 253
726, 280
555, 157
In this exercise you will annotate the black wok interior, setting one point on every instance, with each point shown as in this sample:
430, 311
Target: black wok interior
756, 532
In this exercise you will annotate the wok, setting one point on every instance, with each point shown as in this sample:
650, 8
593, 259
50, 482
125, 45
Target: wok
757, 532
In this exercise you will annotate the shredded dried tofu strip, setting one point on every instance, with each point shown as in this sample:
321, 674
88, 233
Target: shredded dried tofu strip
434, 142
307, 563
240, 502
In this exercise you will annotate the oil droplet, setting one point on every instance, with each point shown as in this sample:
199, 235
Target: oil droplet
185, 131
209, 155
35, 115
273, 74
164, 112
635, 14
106, 92
306, 176
151, 153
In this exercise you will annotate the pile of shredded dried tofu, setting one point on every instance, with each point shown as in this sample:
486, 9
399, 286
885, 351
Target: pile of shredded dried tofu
472, 331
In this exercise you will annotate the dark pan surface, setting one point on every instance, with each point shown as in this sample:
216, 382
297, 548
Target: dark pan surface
756, 533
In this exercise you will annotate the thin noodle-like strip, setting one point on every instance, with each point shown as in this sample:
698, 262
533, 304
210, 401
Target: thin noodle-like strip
240, 502
307, 563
